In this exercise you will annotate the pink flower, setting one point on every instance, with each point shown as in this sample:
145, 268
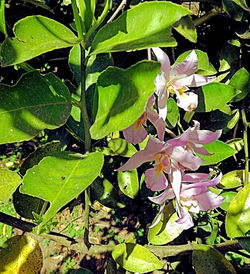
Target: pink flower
168, 159
194, 139
136, 133
194, 197
176, 80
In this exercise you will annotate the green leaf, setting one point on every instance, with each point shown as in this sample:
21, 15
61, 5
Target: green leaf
186, 28
241, 82
242, 4
204, 66
228, 197
234, 119
35, 35
103, 191
236, 143
135, 258
61, 178
238, 214
132, 31
245, 243
233, 179
21, 254
122, 97
9, 181
75, 62
172, 113
208, 260
167, 229
36, 102
220, 151
128, 182
233, 10
2, 17
215, 96
120, 147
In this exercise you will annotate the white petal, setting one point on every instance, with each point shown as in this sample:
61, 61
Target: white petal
163, 59
188, 101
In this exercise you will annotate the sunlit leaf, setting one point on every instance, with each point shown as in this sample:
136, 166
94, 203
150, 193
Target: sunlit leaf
36, 102
186, 28
2, 17
21, 254
61, 178
167, 229
172, 113
120, 147
238, 214
208, 260
233, 179
122, 97
228, 197
135, 258
236, 143
155, 31
240, 81
220, 151
128, 182
9, 181
35, 35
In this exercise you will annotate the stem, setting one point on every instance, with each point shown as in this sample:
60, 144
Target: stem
188, 116
246, 124
120, 7
86, 217
77, 20
206, 17
45, 204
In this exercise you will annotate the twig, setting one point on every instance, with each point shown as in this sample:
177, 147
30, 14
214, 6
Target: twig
120, 7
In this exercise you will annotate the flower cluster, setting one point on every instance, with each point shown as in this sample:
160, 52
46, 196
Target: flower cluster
174, 159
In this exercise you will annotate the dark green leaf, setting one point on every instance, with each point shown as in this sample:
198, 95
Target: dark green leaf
35, 35
186, 28
143, 26
245, 243
172, 114
121, 147
36, 102
122, 97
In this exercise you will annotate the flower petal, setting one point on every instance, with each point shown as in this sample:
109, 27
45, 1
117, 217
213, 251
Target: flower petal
175, 177
205, 136
133, 135
185, 68
154, 181
185, 220
181, 140
165, 195
187, 101
194, 80
163, 59
158, 122
209, 200
195, 177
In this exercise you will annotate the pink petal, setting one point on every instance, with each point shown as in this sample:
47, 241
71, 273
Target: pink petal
166, 195
199, 149
151, 100
194, 80
134, 136
187, 101
158, 122
158, 218
154, 181
209, 200
175, 178
185, 68
195, 177
185, 220
205, 136
181, 140
163, 59
186, 158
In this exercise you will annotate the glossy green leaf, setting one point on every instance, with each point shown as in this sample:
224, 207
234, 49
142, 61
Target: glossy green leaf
172, 113
242, 4
241, 82
21, 254
186, 28
220, 151
103, 191
233, 10
215, 96
131, 31
86, 12
238, 214
208, 260
2, 17
204, 66
35, 35
167, 229
36, 102
234, 119
61, 178
135, 258
233, 179
120, 147
128, 182
122, 96
9, 181
75, 62
236, 143
228, 197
